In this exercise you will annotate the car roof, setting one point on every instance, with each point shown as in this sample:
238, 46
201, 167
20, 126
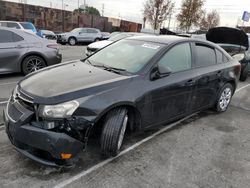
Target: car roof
8, 21
166, 39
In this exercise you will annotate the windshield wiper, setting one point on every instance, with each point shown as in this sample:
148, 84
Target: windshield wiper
108, 68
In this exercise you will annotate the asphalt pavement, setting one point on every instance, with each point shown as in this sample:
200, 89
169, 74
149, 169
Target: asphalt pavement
206, 150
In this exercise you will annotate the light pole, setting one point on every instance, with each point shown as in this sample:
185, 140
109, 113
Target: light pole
62, 17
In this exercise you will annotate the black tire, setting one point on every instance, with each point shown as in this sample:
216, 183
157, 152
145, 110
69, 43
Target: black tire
223, 102
244, 74
97, 39
72, 41
113, 130
63, 43
32, 63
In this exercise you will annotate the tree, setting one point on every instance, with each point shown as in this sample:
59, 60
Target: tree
157, 11
210, 20
88, 10
190, 14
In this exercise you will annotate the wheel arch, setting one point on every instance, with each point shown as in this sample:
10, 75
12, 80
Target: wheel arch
135, 118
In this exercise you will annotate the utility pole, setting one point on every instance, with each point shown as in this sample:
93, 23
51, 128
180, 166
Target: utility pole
102, 9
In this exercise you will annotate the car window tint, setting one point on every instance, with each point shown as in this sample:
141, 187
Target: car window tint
6, 36
177, 58
205, 55
4, 24
83, 31
219, 56
13, 25
91, 31
17, 38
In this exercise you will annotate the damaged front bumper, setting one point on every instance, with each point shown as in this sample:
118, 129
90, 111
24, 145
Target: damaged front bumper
48, 147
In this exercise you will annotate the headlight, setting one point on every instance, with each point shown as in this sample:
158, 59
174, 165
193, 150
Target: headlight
63, 110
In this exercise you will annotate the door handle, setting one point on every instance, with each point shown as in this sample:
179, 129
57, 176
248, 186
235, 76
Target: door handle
190, 82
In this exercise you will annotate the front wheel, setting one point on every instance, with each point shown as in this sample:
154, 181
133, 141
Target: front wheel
113, 131
72, 41
224, 98
32, 63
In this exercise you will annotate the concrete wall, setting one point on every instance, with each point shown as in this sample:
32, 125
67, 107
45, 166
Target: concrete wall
58, 20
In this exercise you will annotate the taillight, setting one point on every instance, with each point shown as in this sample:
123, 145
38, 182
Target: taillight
54, 46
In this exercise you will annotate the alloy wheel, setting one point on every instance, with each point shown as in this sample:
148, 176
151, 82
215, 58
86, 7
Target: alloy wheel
225, 98
34, 64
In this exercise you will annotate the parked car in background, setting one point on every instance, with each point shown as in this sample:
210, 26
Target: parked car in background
79, 35
133, 84
25, 26
105, 35
24, 52
235, 42
50, 35
94, 47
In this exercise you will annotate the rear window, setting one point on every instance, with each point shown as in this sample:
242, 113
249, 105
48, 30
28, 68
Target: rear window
205, 55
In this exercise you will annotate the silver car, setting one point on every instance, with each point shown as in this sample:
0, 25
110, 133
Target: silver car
79, 35
21, 51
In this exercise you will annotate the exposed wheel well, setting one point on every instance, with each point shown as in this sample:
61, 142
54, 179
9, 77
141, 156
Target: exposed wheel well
32, 54
134, 120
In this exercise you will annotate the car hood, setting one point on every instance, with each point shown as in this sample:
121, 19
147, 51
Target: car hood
99, 44
68, 82
226, 35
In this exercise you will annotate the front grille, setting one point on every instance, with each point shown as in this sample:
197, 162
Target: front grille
20, 107
91, 49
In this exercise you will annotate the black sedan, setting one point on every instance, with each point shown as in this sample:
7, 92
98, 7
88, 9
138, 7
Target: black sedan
132, 84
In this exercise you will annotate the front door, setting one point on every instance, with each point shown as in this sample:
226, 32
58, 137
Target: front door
171, 97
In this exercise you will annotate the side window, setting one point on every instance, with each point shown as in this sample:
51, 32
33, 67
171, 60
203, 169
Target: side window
13, 25
91, 31
177, 58
205, 55
219, 56
5, 36
3, 24
83, 31
17, 38
8, 36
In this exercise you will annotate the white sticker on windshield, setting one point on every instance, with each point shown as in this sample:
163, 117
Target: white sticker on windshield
151, 46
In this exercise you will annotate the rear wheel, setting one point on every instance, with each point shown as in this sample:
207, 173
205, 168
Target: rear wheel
97, 39
224, 97
113, 131
32, 63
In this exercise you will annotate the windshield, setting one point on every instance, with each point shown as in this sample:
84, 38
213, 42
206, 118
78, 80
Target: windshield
76, 30
28, 26
130, 55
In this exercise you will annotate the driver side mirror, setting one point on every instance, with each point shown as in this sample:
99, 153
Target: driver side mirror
160, 72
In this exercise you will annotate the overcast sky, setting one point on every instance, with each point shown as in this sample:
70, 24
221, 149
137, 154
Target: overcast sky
230, 10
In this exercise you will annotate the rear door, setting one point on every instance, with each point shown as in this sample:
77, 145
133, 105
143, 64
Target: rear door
92, 34
12, 47
210, 75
